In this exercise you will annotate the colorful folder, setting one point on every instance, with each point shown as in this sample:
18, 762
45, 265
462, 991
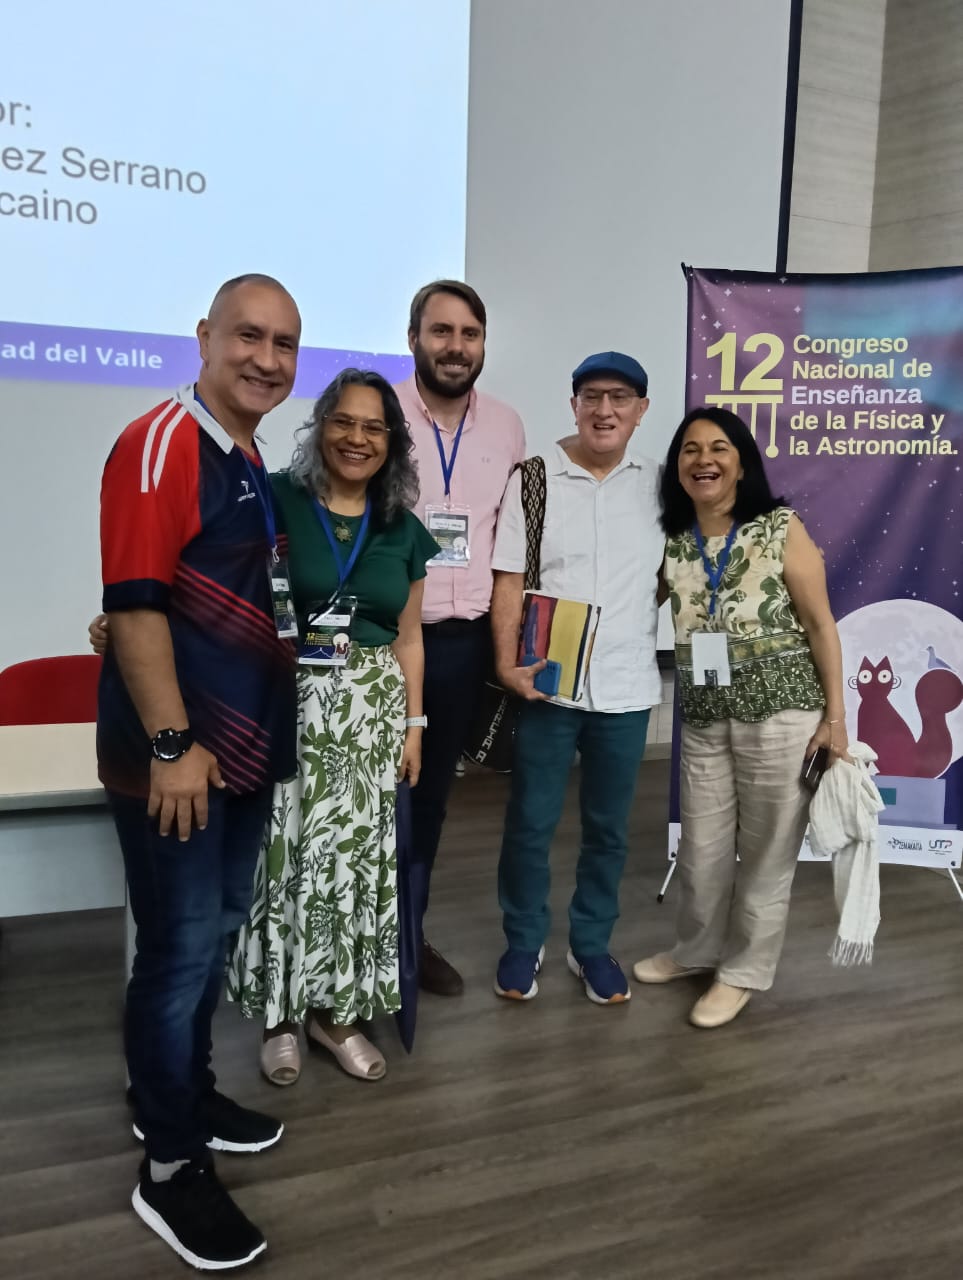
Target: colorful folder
561, 631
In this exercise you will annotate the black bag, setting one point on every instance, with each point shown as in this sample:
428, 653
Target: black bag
491, 740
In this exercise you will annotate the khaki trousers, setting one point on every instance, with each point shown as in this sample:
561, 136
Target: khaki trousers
740, 793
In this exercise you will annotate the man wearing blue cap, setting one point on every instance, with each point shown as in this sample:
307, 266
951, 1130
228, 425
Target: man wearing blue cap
601, 544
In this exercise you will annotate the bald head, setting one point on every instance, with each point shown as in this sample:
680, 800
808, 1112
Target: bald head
251, 278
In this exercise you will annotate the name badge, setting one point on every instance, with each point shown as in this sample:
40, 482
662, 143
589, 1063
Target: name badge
285, 619
450, 528
710, 659
327, 634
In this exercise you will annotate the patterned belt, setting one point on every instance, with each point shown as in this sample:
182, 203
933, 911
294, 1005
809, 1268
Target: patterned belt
779, 645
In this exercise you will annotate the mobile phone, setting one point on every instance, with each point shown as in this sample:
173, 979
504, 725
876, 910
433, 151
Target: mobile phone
814, 767
547, 680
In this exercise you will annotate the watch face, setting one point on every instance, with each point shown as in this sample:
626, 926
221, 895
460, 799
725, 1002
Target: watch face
170, 744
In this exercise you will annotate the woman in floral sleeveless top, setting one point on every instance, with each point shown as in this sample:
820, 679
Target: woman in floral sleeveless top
759, 670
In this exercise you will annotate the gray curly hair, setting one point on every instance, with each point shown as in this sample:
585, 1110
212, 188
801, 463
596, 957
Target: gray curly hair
392, 489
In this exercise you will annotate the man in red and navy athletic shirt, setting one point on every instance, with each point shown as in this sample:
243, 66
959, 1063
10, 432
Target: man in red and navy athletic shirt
183, 533
196, 722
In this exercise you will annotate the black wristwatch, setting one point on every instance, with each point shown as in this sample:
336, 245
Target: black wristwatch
170, 744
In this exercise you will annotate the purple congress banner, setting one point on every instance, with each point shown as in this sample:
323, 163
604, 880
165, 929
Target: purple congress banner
853, 387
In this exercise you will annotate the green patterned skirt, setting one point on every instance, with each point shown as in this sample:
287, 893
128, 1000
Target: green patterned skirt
323, 929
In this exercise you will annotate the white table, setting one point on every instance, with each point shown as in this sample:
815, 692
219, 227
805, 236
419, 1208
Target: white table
58, 846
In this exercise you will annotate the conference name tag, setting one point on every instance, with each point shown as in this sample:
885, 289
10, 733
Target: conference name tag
710, 659
450, 528
285, 619
327, 634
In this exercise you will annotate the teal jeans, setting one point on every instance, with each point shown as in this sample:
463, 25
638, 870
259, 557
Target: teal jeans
611, 747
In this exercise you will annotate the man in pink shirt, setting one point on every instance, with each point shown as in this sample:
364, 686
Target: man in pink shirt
466, 446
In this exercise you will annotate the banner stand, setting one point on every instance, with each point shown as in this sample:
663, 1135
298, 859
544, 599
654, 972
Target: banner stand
852, 385
894, 857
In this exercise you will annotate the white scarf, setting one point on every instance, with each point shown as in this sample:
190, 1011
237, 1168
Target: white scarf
844, 822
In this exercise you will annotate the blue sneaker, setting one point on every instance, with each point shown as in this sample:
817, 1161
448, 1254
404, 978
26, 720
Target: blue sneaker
515, 979
604, 981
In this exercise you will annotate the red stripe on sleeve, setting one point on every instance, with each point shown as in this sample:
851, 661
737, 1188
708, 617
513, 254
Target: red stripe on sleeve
149, 498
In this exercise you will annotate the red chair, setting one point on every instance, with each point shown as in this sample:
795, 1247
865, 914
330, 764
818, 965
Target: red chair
50, 690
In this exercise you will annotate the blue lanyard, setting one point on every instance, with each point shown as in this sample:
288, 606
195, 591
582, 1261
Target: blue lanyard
344, 567
715, 575
448, 464
261, 487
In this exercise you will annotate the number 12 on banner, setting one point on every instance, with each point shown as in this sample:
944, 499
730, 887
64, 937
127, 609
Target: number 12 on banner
755, 379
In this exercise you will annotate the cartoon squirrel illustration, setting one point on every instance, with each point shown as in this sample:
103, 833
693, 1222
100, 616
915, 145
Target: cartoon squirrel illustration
938, 692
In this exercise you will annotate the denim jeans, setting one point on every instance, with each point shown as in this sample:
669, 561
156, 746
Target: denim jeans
611, 746
458, 659
187, 900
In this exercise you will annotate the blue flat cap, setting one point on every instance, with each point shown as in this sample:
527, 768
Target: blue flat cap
616, 365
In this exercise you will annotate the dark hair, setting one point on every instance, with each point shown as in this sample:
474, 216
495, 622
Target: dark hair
457, 289
394, 487
753, 495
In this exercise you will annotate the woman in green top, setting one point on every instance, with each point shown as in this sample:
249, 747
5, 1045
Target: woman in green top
321, 945
759, 670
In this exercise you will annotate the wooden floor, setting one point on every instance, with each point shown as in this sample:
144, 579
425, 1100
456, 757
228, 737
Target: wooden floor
820, 1136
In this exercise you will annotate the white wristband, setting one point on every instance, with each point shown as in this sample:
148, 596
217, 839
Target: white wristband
416, 722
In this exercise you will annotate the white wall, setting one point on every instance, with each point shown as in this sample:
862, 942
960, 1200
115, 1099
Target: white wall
607, 142
918, 192
837, 119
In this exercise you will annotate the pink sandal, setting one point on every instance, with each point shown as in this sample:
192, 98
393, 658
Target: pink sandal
357, 1056
281, 1059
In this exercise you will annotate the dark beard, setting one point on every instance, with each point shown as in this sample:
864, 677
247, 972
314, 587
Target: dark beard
450, 390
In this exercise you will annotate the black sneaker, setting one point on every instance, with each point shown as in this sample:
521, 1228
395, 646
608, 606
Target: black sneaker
194, 1214
236, 1128
233, 1127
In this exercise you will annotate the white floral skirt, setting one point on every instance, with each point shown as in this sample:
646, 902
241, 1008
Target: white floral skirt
323, 929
